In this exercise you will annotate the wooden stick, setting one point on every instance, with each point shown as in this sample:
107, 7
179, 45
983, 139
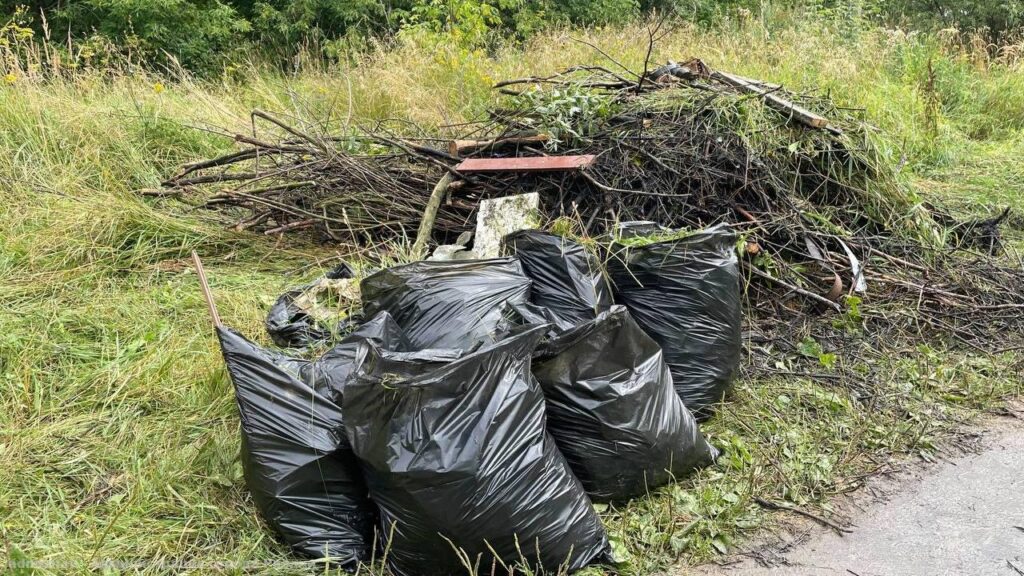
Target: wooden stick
291, 226
158, 192
293, 131
781, 506
899, 261
831, 304
800, 113
206, 290
463, 147
419, 247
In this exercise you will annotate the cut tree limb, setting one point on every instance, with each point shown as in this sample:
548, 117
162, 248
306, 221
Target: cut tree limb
817, 298
463, 147
419, 247
801, 114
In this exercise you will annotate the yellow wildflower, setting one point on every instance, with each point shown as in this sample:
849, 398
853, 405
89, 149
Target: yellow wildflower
10, 79
158, 87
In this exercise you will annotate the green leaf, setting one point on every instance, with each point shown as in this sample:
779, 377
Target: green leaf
620, 553
809, 348
719, 543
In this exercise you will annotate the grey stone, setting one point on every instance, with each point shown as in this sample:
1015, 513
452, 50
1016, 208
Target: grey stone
500, 216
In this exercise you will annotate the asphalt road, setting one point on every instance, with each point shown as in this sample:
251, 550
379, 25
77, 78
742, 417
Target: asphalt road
962, 517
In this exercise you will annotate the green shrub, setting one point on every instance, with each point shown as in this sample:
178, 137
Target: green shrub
279, 27
205, 36
1000, 18
198, 34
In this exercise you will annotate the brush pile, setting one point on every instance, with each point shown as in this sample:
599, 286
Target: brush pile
684, 147
817, 197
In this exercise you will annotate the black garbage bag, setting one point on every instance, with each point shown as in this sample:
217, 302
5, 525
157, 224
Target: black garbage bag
567, 279
290, 326
455, 454
296, 459
613, 412
447, 304
329, 373
685, 293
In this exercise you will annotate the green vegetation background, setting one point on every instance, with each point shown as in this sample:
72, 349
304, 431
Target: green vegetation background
205, 36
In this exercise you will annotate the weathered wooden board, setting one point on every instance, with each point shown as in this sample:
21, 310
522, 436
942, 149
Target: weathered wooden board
529, 164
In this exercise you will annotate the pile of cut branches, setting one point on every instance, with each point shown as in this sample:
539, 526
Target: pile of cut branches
350, 189
815, 194
682, 145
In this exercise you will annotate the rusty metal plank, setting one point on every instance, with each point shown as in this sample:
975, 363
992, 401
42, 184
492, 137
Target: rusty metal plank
530, 164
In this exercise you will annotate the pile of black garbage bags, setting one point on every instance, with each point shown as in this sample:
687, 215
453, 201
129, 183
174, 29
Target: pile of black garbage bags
482, 405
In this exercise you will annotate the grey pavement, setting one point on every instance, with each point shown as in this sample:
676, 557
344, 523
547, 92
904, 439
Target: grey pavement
964, 517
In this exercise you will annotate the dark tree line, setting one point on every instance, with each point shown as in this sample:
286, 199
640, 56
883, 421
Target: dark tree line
203, 35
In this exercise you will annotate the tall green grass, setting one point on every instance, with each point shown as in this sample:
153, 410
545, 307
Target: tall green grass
118, 432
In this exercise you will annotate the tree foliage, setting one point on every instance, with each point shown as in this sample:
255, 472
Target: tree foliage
997, 18
204, 35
